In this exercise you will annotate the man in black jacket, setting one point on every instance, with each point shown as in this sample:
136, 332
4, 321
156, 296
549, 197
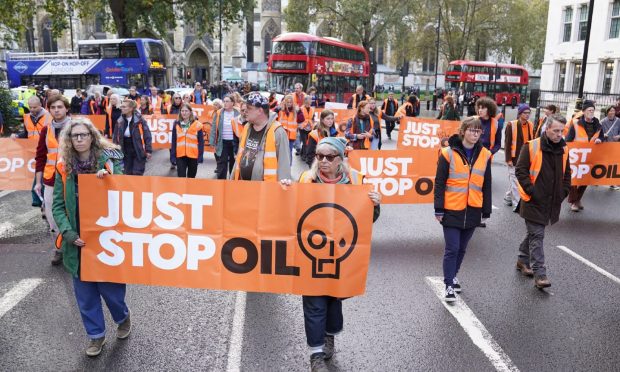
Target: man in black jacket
541, 195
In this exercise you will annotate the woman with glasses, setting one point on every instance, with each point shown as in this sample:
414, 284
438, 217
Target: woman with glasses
134, 137
462, 196
175, 107
83, 150
323, 318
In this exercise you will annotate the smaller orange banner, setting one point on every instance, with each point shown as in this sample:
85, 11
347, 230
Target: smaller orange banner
400, 176
424, 133
593, 164
17, 164
97, 120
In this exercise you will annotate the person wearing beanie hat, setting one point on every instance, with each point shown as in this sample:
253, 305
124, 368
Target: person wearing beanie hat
323, 318
263, 147
517, 133
585, 128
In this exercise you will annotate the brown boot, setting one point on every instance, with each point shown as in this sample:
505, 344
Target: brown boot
524, 269
542, 282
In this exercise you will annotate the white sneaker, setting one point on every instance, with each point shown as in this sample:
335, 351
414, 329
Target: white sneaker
456, 285
450, 295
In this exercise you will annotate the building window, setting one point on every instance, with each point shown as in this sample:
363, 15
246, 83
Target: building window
428, 61
561, 76
576, 77
608, 71
568, 23
614, 28
380, 55
583, 22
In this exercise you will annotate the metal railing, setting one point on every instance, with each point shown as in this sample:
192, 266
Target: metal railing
564, 100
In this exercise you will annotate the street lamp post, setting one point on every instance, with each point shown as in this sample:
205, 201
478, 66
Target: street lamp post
71, 24
437, 46
584, 59
220, 54
372, 64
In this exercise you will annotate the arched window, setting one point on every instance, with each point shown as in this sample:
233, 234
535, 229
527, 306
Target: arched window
49, 42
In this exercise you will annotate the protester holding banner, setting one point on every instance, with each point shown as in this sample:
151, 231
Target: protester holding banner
33, 125
462, 196
134, 137
409, 108
361, 128
585, 128
324, 128
46, 157
187, 146
323, 318
223, 137
113, 113
264, 145
544, 175
83, 150
175, 107
377, 116
517, 133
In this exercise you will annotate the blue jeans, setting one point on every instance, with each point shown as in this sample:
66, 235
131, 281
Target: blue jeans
88, 296
291, 145
456, 244
322, 316
36, 201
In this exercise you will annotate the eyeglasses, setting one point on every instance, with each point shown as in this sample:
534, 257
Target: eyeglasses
329, 158
80, 136
475, 131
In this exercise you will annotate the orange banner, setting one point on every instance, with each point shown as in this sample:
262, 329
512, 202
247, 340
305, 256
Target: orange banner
593, 164
309, 239
400, 176
97, 120
17, 164
424, 133
341, 116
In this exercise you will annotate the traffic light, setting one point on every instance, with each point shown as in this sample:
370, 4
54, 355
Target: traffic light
404, 70
188, 74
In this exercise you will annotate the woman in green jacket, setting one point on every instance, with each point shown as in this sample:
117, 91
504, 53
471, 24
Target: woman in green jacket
83, 150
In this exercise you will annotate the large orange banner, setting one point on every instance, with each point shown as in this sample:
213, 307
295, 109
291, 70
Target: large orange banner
400, 176
17, 163
424, 133
97, 120
307, 239
593, 164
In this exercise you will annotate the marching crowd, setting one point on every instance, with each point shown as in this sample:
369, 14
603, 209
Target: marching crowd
254, 139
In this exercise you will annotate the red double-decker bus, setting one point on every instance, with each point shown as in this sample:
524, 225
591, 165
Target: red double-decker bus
334, 67
506, 83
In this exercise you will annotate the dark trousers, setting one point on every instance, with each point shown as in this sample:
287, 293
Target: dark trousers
36, 200
531, 251
456, 245
88, 296
576, 193
303, 138
187, 167
389, 127
133, 165
173, 162
322, 316
226, 161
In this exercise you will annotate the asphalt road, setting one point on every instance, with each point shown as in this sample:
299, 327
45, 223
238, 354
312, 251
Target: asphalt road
501, 322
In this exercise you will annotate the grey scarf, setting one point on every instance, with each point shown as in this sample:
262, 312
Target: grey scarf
61, 124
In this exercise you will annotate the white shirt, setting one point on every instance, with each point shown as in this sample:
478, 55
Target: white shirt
127, 132
227, 131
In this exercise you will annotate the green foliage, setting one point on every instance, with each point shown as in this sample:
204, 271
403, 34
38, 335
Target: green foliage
15, 17
298, 16
10, 122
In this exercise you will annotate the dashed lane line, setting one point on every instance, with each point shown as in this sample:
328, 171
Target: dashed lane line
6, 192
590, 264
474, 328
236, 337
17, 293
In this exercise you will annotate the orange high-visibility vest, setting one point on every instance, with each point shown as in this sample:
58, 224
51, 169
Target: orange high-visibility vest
385, 104
187, 141
270, 160
580, 133
355, 176
539, 128
34, 129
514, 124
536, 159
353, 127
237, 126
354, 103
203, 97
494, 127
296, 101
52, 154
464, 184
308, 117
289, 122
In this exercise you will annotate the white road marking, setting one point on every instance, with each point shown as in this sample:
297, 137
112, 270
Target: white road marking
18, 220
474, 328
17, 293
6, 192
494, 207
236, 336
592, 265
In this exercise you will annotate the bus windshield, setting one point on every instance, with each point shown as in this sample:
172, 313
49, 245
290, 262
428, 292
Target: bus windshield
155, 54
291, 47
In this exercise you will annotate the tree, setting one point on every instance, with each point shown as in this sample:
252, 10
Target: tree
298, 15
126, 16
14, 19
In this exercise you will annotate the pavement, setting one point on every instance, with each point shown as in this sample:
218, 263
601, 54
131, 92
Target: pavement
500, 322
